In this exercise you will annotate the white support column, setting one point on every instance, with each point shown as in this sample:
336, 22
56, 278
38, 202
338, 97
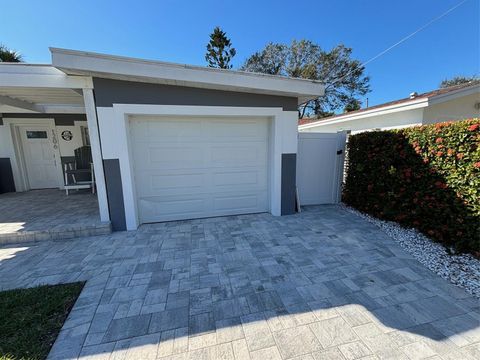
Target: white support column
339, 165
276, 166
96, 153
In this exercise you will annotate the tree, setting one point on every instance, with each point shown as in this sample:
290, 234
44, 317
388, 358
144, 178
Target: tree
342, 76
219, 50
271, 60
8, 55
352, 106
458, 80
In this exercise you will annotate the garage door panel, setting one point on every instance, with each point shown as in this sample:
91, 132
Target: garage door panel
151, 156
239, 130
245, 203
245, 155
159, 184
169, 130
154, 208
199, 183
173, 181
238, 178
219, 168
175, 157
166, 208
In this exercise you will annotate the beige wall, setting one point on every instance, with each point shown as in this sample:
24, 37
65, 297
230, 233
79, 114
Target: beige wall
392, 120
456, 109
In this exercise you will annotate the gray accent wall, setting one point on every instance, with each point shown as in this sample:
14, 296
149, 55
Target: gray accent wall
60, 119
113, 183
109, 92
7, 183
289, 183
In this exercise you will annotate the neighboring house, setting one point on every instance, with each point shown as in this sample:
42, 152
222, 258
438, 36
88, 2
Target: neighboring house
168, 141
453, 103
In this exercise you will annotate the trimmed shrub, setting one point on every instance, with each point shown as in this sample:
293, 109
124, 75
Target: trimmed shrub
426, 177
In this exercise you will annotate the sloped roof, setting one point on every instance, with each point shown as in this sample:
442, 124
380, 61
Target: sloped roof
426, 95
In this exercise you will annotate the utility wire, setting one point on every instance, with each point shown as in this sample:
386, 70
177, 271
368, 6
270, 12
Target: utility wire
404, 39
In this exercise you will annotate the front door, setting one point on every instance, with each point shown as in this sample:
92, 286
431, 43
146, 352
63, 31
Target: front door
40, 158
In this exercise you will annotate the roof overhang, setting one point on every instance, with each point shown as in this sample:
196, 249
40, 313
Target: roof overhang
82, 63
27, 88
466, 91
412, 105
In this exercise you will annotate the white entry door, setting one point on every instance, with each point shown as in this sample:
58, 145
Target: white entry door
40, 157
189, 168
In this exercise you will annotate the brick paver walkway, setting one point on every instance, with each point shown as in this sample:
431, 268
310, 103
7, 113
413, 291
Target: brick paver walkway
49, 214
323, 284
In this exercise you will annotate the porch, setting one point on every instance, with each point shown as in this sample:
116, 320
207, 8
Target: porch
49, 215
49, 139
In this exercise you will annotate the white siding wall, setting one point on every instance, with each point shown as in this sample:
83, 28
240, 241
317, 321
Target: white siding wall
67, 148
5, 142
456, 109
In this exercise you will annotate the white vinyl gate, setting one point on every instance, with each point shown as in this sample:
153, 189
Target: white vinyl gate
320, 161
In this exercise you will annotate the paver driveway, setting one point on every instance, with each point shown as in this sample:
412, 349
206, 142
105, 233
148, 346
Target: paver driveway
323, 284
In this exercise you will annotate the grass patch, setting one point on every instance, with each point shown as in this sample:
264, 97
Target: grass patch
32, 319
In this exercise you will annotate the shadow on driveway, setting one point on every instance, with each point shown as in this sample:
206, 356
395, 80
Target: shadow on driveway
322, 283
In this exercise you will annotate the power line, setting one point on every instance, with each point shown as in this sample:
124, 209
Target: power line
415, 32
405, 38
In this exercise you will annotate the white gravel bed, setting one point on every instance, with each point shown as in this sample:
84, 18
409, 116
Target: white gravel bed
462, 270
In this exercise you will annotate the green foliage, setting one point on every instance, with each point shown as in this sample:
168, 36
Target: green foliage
426, 177
219, 50
343, 76
459, 80
32, 319
353, 105
8, 55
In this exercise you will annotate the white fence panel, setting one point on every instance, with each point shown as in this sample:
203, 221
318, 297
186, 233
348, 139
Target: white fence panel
320, 161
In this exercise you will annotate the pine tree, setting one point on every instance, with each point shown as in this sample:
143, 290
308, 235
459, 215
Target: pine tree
219, 50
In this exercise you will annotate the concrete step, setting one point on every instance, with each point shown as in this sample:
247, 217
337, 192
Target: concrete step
59, 232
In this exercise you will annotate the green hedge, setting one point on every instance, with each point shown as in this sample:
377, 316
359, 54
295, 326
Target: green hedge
426, 177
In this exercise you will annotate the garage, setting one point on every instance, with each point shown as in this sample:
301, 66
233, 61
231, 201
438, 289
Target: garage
178, 142
195, 167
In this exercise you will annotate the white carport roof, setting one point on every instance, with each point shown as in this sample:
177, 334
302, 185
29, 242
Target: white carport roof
26, 88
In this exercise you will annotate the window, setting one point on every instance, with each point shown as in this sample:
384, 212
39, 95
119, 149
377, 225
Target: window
85, 136
36, 134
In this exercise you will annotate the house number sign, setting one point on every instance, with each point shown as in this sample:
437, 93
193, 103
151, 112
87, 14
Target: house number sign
67, 135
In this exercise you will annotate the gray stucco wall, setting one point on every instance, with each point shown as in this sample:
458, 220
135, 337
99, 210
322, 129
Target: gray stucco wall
6, 176
113, 183
60, 119
108, 92
289, 180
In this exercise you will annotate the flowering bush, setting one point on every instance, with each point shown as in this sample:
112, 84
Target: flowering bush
427, 177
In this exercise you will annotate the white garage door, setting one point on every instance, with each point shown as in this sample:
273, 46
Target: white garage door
188, 168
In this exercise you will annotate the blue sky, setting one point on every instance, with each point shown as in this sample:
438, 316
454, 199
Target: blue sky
174, 30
